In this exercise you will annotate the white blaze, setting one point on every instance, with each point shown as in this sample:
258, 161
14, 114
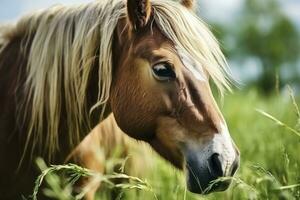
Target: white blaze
223, 144
195, 68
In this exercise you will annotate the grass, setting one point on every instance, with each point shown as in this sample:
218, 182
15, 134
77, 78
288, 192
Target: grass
266, 130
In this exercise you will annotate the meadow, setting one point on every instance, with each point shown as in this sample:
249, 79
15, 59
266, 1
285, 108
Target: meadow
270, 158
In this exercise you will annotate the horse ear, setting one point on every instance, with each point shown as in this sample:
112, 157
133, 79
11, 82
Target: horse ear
139, 12
188, 4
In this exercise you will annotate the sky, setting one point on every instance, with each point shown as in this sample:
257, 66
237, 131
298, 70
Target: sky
225, 10
215, 10
11, 10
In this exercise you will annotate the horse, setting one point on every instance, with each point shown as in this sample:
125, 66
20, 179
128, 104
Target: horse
149, 62
107, 142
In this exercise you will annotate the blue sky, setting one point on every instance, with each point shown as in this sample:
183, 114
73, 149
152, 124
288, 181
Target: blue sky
11, 10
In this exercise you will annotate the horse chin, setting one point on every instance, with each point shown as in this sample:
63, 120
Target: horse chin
175, 156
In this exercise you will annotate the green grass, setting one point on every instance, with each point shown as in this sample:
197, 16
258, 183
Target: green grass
264, 129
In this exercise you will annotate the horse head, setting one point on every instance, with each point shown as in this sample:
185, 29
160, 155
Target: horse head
160, 91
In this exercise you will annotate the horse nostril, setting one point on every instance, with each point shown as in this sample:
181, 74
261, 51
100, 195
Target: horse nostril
235, 166
215, 165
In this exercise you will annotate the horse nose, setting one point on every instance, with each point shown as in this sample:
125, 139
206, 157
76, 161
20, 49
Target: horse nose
215, 165
203, 174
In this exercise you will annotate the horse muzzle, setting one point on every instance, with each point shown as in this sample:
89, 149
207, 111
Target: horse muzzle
209, 166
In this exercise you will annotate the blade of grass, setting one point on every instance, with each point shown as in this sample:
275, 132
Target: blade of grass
288, 187
294, 101
75, 172
296, 107
278, 122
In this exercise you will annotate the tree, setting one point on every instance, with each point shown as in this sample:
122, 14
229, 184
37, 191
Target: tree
265, 32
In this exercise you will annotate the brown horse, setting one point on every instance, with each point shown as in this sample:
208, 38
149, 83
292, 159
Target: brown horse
64, 69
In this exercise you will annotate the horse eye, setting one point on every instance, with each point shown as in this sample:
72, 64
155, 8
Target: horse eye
163, 71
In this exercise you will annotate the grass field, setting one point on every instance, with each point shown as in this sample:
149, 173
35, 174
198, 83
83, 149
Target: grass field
270, 156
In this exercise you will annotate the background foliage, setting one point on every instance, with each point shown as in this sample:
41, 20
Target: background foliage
262, 32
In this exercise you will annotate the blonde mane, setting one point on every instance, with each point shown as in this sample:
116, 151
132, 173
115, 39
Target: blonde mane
66, 42
3, 32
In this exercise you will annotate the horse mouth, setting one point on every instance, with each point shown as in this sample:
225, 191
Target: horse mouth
207, 173
203, 179
206, 185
